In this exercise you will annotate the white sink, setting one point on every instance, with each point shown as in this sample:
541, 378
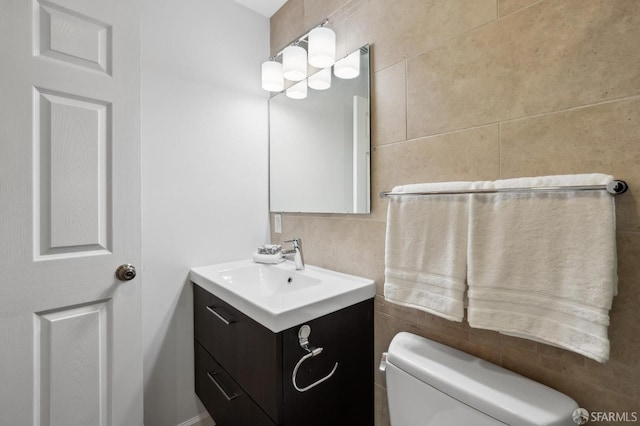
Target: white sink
278, 296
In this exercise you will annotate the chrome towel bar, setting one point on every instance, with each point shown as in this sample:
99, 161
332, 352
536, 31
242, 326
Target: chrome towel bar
615, 187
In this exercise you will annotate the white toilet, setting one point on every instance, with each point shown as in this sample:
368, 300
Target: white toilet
430, 384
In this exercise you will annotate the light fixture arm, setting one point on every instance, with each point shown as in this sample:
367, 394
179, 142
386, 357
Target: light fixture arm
302, 39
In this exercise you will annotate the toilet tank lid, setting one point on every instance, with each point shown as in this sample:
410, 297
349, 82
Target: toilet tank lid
493, 390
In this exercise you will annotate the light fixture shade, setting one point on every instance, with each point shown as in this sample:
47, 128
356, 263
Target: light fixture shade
298, 90
272, 79
294, 63
320, 80
348, 67
322, 47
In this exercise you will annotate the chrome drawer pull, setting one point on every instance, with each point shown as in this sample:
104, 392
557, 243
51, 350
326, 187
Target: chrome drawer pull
219, 316
224, 393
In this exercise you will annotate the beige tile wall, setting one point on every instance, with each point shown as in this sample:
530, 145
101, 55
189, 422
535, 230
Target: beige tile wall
489, 89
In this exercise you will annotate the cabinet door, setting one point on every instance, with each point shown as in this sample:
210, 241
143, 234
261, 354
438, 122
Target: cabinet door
346, 398
247, 351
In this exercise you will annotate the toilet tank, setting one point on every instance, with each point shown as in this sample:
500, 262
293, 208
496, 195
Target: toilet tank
430, 384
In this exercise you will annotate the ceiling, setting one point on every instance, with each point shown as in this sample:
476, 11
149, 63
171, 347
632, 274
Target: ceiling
263, 7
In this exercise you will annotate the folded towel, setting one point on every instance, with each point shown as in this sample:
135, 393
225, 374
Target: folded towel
425, 250
268, 258
270, 249
542, 265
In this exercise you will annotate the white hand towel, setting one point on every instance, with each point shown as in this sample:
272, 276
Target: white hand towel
425, 250
543, 265
268, 258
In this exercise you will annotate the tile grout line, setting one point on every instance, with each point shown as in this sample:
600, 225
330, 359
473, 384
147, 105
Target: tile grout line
510, 120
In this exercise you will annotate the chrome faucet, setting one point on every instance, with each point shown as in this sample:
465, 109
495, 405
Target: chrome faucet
296, 251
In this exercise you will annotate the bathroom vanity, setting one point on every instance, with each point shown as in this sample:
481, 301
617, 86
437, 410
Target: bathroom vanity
281, 349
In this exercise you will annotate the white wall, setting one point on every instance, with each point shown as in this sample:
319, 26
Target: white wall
204, 174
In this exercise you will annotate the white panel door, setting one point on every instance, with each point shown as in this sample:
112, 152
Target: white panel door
70, 343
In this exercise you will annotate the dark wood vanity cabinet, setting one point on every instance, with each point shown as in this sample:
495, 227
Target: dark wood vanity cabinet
243, 371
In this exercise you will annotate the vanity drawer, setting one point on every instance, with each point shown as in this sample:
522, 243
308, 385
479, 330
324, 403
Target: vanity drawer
225, 400
245, 349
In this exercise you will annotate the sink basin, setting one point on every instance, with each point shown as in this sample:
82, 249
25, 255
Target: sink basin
278, 296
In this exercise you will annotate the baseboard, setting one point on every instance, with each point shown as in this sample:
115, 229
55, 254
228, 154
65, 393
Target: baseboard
202, 419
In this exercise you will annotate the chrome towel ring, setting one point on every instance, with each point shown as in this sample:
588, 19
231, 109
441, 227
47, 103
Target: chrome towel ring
303, 338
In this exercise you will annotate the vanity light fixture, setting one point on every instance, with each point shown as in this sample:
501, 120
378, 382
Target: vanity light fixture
348, 67
294, 63
321, 43
322, 47
272, 78
320, 80
298, 90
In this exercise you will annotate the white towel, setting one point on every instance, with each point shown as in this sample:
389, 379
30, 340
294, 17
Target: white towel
543, 265
268, 258
425, 250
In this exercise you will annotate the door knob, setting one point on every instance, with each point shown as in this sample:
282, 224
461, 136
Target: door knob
126, 272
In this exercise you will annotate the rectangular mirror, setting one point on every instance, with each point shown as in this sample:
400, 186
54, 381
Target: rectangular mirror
319, 147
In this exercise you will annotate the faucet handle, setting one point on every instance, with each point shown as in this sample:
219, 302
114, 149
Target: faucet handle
297, 251
296, 242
